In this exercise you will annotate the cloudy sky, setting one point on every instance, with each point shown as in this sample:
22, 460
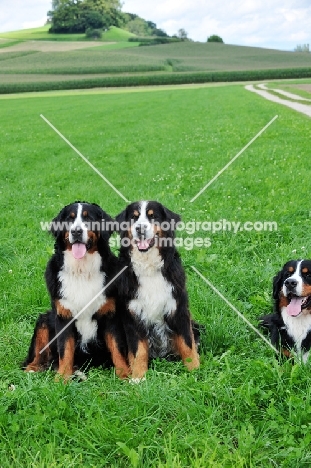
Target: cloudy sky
280, 24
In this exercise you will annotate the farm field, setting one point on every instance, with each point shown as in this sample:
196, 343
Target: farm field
180, 56
242, 408
183, 62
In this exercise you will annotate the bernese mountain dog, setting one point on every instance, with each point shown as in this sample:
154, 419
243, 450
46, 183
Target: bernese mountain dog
290, 324
83, 324
152, 290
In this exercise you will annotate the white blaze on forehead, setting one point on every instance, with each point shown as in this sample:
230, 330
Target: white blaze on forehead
143, 213
143, 221
78, 222
297, 277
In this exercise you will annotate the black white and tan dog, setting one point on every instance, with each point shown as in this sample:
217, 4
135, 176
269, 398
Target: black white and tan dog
79, 269
152, 290
290, 324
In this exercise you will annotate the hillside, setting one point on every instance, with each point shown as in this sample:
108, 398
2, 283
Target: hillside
116, 57
42, 34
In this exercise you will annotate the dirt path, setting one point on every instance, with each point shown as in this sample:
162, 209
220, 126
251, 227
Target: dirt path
297, 106
52, 46
295, 97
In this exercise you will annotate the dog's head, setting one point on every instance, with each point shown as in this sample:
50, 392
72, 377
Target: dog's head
81, 227
292, 287
147, 224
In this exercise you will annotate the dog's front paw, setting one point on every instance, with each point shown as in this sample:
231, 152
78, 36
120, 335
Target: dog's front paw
136, 380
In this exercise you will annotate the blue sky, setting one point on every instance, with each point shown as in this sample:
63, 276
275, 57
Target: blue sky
280, 24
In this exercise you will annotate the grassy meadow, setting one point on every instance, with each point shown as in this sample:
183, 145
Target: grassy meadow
42, 34
242, 408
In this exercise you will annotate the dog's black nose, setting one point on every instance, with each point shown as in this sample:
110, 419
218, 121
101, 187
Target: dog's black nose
76, 232
141, 228
291, 283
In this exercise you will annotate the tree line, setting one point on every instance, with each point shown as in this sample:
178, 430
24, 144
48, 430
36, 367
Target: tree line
94, 16
78, 16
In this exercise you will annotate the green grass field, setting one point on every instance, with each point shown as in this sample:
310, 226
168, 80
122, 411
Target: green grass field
241, 408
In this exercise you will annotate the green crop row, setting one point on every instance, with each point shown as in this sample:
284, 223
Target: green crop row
14, 55
159, 79
9, 43
90, 70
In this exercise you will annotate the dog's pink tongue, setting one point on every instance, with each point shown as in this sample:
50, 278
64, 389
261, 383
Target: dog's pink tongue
143, 244
78, 250
294, 307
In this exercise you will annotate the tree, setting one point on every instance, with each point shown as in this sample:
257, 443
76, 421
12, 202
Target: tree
67, 18
93, 20
76, 16
159, 32
138, 26
109, 9
214, 38
182, 34
302, 48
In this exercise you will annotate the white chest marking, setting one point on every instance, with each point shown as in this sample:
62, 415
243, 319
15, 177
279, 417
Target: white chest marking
80, 281
154, 297
297, 328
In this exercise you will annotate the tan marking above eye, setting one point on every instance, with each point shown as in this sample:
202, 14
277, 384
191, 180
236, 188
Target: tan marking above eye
72, 215
291, 269
150, 212
136, 213
85, 213
305, 270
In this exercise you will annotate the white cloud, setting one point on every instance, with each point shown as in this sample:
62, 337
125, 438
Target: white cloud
15, 14
266, 23
34, 24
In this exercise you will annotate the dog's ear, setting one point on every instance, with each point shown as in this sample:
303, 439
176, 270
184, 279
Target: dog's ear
56, 227
100, 213
121, 218
277, 284
171, 216
107, 222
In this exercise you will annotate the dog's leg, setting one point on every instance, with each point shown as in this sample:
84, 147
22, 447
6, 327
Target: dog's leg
183, 341
113, 330
187, 351
66, 358
65, 342
119, 361
138, 357
35, 360
138, 348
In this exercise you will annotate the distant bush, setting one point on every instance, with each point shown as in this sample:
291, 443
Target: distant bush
93, 33
214, 38
154, 40
302, 48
